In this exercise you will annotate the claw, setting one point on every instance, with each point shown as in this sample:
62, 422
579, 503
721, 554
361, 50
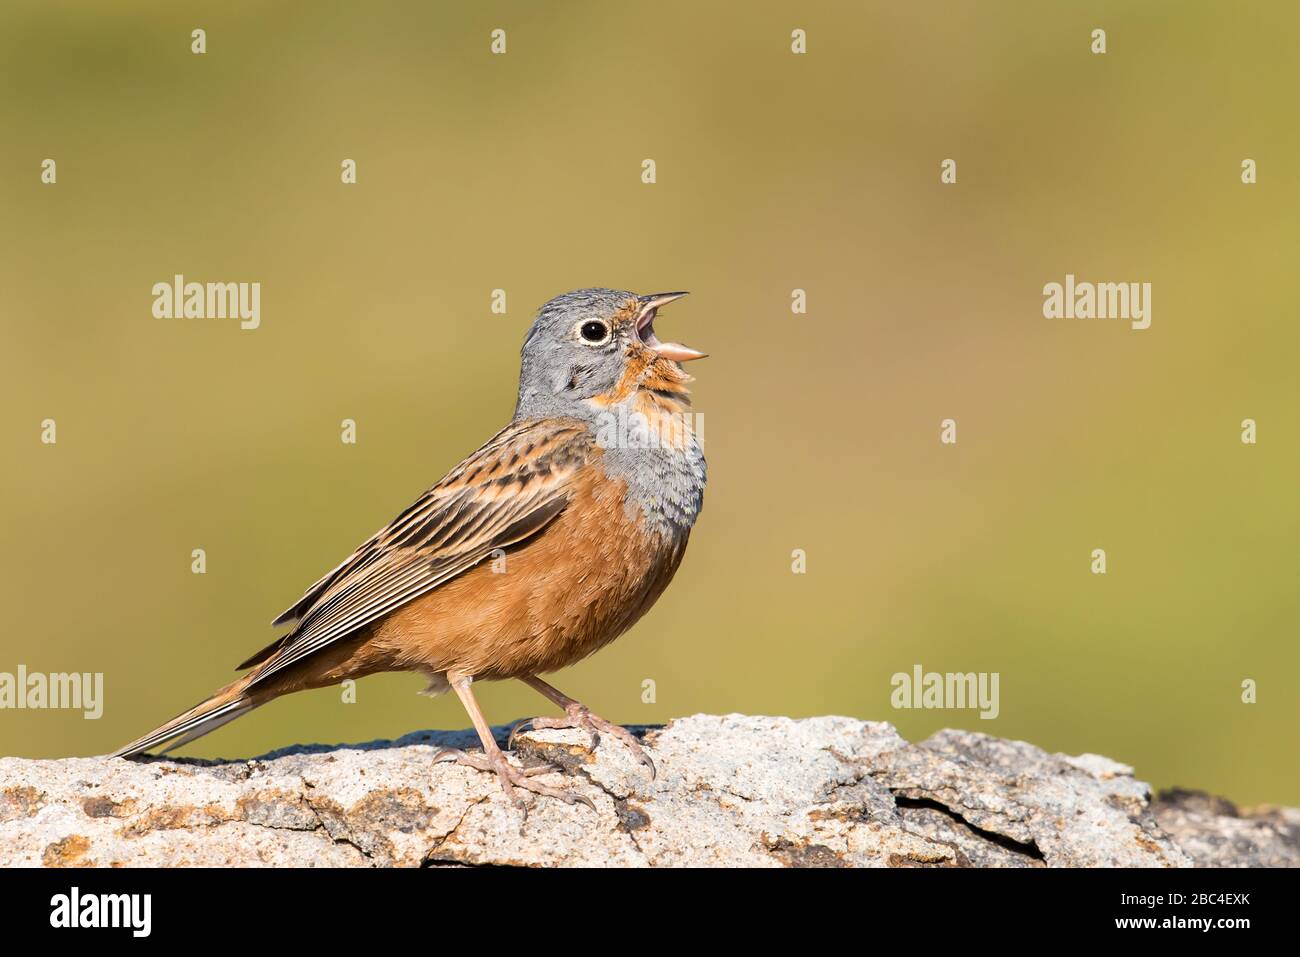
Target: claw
648, 764
577, 716
575, 798
515, 729
513, 778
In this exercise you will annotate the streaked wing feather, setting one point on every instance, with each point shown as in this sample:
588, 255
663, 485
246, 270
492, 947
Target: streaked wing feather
504, 493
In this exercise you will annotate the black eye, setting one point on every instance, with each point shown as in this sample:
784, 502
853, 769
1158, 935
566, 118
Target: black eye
594, 331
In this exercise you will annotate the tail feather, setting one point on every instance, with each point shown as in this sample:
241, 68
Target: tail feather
226, 705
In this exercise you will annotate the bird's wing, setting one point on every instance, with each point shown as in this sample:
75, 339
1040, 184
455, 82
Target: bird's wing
505, 492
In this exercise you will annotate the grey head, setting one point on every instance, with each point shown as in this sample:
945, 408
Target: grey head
586, 344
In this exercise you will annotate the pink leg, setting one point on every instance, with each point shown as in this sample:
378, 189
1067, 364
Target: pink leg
492, 760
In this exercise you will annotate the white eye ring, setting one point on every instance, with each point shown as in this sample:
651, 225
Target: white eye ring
588, 327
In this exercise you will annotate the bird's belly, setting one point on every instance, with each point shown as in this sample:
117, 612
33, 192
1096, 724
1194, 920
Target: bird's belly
577, 585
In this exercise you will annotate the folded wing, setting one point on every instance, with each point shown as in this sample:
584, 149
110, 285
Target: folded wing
504, 493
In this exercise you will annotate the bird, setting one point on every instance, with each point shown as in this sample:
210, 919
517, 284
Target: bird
541, 547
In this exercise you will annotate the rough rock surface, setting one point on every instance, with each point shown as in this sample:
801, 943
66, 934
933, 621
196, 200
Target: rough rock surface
731, 790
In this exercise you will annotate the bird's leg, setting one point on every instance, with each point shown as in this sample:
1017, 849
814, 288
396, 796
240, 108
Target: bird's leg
492, 760
576, 715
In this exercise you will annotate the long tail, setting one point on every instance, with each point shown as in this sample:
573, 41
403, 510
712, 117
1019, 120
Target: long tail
226, 705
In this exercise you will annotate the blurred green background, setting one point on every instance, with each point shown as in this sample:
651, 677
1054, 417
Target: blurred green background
775, 172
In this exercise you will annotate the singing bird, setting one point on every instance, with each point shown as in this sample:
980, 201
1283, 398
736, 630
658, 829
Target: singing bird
543, 546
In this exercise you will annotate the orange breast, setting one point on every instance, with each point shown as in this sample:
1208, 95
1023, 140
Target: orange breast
577, 585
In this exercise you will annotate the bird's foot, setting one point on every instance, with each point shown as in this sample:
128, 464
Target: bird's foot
512, 777
577, 716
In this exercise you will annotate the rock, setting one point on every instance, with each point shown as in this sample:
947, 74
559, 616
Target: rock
1216, 834
731, 790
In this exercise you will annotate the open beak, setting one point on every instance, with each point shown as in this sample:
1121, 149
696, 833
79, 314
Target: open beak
645, 328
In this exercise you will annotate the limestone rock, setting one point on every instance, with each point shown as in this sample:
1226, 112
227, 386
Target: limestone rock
731, 790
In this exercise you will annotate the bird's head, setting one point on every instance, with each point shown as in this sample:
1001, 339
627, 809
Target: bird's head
598, 346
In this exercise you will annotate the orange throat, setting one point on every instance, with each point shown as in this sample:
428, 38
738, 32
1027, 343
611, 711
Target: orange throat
655, 388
